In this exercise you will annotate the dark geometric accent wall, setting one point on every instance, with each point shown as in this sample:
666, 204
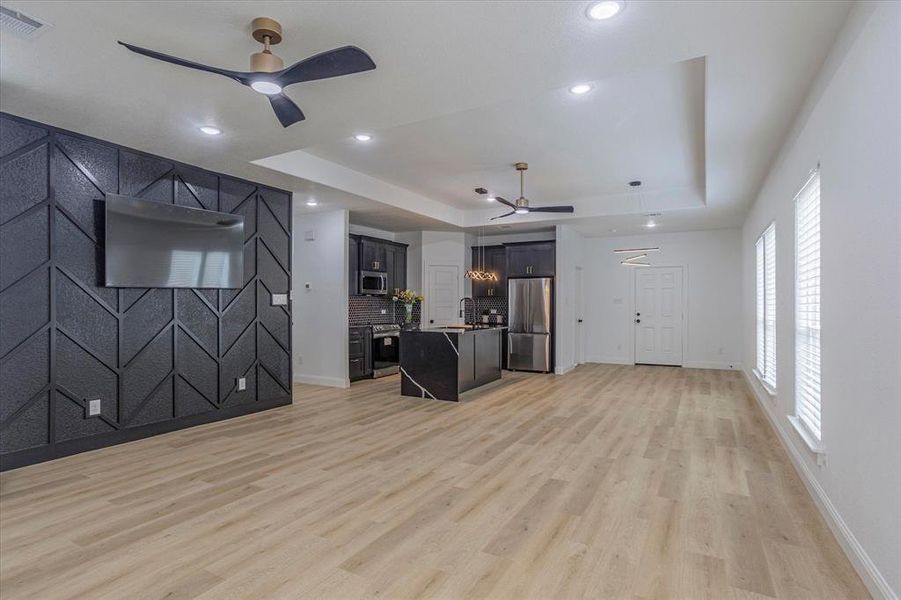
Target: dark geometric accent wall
160, 359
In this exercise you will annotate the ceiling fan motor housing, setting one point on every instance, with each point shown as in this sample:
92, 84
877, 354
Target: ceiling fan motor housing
269, 32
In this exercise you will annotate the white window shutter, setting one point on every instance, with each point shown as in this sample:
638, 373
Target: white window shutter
769, 244
807, 305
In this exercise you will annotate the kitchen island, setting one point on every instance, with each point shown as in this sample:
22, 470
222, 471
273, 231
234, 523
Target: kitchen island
443, 362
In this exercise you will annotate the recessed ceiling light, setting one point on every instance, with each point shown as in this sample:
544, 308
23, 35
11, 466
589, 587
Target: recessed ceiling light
210, 130
266, 87
650, 223
490, 198
580, 88
362, 137
312, 202
605, 9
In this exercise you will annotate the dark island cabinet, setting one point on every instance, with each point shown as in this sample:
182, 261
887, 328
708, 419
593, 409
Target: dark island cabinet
494, 260
531, 259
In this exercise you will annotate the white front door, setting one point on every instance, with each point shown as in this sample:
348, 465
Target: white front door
658, 315
442, 301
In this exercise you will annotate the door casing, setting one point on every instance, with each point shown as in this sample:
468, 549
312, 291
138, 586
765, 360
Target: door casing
634, 304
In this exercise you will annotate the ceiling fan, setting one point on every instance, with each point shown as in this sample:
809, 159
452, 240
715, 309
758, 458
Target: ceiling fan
267, 74
521, 206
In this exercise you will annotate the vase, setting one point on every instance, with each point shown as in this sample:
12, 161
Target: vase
408, 313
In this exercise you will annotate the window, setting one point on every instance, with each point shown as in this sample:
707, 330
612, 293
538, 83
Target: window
766, 307
807, 305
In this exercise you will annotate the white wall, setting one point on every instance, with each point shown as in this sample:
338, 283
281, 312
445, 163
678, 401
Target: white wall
569, 253
851, 125
711, 262
319, 329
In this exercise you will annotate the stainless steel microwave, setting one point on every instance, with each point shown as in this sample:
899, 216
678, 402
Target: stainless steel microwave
373, 283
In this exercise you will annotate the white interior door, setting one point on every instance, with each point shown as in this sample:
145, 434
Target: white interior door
658, 315
580, 344
442, 301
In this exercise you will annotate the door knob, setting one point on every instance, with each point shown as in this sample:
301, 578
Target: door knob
638, 320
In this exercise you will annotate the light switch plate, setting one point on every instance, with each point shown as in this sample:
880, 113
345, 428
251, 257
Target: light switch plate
493, 311
279, 299
242, 384
384, 311
94, 407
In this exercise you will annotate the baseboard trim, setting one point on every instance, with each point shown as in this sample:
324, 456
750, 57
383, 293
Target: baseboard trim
338, 382
720, 366
40, 454
564, 369
608, 360
860, 560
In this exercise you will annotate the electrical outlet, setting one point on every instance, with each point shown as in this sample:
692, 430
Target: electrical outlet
94, 407
279, 299
242, 384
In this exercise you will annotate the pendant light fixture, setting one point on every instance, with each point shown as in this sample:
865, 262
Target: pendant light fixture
635, 261
480, 274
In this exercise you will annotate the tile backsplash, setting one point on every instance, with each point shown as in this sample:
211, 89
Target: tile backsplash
367, 310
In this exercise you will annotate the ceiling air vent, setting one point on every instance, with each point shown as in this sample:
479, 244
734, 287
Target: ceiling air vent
20, 24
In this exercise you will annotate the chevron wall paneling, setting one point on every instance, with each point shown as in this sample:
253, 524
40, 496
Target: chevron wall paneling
159, 359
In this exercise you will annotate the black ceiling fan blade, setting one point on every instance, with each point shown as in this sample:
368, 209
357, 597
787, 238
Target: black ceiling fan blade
512, 212
287, 112
332, 63
238, 76
505, 201
552, 209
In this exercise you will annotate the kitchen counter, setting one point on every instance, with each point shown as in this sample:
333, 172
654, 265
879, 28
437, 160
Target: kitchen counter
443, 362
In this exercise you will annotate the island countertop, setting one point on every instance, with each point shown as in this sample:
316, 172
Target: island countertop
443, 362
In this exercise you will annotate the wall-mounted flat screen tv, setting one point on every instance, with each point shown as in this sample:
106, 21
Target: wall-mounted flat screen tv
155, 245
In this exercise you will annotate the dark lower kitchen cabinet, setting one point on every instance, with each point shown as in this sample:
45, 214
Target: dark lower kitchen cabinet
359, 353
353, 265
527, 259
494, 260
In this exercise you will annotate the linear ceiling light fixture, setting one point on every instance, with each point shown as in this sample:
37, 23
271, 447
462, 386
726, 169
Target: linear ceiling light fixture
630, 250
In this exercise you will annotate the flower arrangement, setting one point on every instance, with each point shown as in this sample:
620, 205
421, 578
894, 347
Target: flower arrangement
407, 296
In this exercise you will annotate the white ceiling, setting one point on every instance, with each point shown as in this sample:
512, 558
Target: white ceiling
694, 98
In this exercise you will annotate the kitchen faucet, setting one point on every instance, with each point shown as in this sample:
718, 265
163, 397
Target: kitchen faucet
463, 308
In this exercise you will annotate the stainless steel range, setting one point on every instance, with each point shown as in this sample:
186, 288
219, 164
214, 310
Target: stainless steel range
385, 350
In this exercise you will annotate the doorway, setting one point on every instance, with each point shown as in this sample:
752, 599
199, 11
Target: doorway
658, 315
442, 299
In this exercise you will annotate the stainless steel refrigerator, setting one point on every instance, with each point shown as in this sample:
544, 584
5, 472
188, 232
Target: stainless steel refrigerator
530, 324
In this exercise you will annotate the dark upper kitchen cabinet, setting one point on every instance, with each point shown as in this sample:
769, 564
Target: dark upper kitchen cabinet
527, 259
396, 260
494, 259
373, 255
353, 265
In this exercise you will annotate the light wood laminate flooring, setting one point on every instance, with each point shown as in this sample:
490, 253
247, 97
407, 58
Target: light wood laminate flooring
608, 482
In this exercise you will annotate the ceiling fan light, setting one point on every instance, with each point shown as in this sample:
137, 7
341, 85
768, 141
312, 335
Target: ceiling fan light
491, 199
521, 210
264, 86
